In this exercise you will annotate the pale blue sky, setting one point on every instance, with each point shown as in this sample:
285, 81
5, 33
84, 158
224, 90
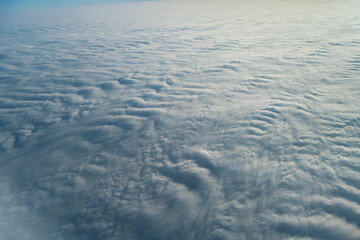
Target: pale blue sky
38, 4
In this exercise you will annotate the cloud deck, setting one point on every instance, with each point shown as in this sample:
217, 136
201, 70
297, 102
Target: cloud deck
160, 120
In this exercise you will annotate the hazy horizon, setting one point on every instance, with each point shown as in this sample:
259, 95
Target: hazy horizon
22, 5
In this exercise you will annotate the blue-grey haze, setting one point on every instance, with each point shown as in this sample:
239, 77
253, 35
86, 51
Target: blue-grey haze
11, 5
181, 120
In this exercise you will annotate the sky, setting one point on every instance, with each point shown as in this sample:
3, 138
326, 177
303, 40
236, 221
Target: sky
40, 4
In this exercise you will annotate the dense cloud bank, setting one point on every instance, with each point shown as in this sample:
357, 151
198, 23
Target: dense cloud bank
181, 121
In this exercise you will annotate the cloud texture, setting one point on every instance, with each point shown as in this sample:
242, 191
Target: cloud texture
181, 121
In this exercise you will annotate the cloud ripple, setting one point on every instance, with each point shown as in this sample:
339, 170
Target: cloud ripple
177, 121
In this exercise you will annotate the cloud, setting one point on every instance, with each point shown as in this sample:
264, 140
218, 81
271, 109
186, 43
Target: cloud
165, 120
318, 227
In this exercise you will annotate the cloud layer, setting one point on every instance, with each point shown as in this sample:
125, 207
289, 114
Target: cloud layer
179, 121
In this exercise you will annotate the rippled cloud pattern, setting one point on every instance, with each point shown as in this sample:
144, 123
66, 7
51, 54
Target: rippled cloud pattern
180, 120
